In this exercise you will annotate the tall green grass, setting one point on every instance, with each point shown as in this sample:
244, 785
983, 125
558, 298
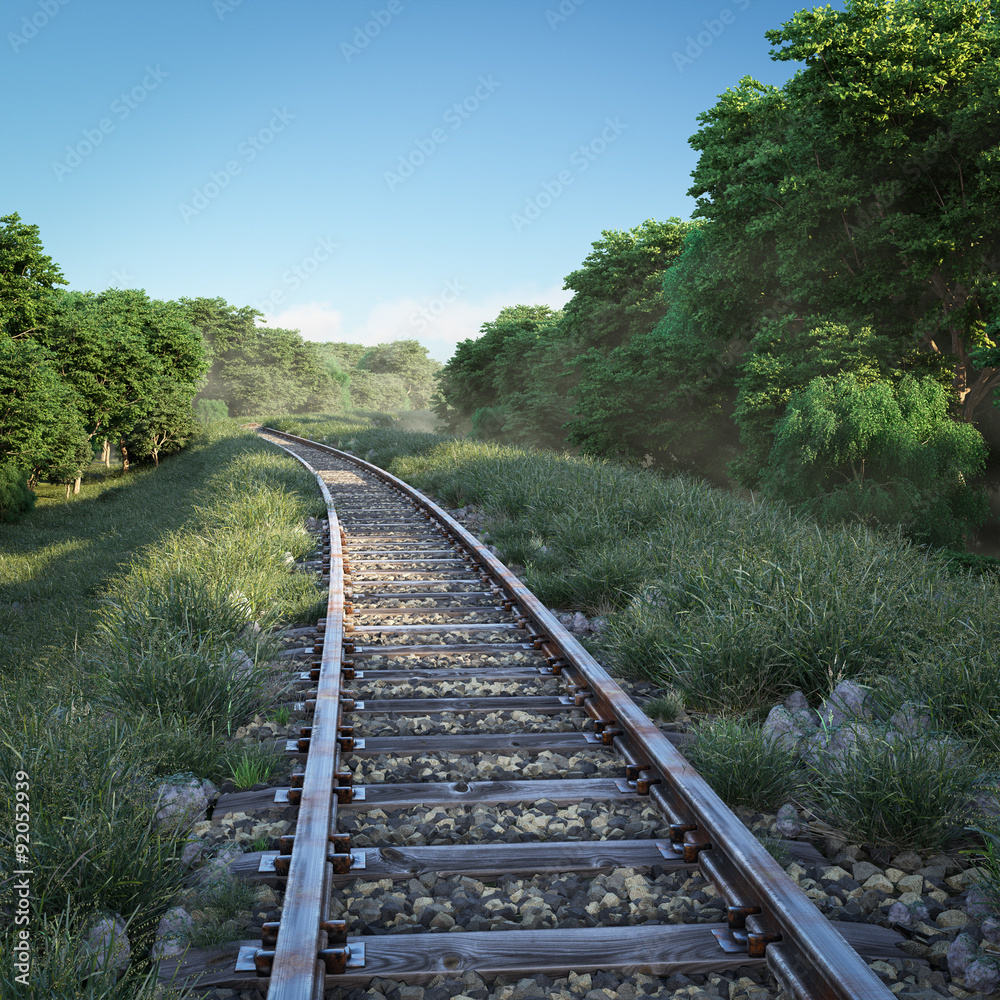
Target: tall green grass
734, 603
134, 626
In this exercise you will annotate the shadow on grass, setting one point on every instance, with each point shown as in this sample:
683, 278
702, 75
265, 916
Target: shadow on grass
57, 561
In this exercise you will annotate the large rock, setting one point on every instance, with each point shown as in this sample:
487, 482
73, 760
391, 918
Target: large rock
911, 718
783, 728
961, 953
106, 944
172, 933
982, 975
830, 747
181, 800
216, 868
847, 701
788, 821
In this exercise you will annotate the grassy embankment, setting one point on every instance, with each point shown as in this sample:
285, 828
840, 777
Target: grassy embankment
733, 605
133, 641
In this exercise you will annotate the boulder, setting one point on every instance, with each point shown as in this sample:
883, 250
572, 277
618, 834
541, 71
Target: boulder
961, 953
106, 944
788, 821
982, 975
181, 800
783, 728
911, 718
172, 933
216, 868
847, 701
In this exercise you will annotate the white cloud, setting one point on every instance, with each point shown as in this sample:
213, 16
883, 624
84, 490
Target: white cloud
437, 321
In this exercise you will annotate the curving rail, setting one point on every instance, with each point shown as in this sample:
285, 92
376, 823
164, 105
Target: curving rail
768, 916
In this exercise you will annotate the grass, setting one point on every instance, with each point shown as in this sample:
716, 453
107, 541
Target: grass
132, 620
742, 765
667, 707
896, 791
253, 767
734, 604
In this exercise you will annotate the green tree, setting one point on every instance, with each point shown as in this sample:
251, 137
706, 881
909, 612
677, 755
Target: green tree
166, 427
787, 354
256, 369
42, 431
864, 187
869, 449
379, 391
467, 382
408, 361
27, 273
618, 292
122, 352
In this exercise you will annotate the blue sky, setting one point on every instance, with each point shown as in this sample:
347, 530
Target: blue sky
359, 171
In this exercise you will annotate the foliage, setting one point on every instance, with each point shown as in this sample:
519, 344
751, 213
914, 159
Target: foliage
84, 765
742, 765
848, 449
618, 291
26, 274
468, 381
253, 767
408, 361
667, 706
41, 428
207, 411
166, 428
16, 499
842, 192
257, 369
378, 391
122, 352
903, 792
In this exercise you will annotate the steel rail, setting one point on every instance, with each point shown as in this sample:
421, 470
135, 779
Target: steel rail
297, 970
768, 914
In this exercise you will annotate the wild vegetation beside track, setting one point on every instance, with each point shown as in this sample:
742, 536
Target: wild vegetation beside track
134, 643
735, 605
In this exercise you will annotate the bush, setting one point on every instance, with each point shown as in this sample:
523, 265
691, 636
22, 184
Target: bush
95, 845
16, 499
207, 411
897, 791
742, 765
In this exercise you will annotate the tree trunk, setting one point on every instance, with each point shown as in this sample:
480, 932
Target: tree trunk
106, 454
985, 382
121, 444
76, 484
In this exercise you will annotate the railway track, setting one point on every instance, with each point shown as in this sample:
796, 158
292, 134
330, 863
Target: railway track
457, 674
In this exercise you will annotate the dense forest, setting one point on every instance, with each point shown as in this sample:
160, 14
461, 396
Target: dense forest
82, 373
825, 329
